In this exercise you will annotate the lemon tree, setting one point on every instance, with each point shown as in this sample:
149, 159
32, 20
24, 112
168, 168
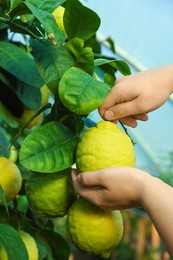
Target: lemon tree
51, 79
93, 229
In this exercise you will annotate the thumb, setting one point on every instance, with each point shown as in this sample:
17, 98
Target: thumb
89, 179
121, 110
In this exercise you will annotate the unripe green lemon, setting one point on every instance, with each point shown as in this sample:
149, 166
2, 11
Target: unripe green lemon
104, 145
94, 230
50, 195
10, 178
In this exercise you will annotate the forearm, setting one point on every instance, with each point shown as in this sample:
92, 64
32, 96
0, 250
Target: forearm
157, 200
163, 76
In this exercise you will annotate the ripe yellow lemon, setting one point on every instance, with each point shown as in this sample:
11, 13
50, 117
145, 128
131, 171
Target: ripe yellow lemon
104, 145
10, 178
45, 94
30, 244
94, 230
50, 195
58, 13
28, 113
3, 254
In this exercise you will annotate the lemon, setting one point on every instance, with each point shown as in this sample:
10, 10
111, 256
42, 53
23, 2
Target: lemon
58, 13
10, 178
30, 244
3, 254
27, 114
45, 94
51, 194
94, 230
104, 145
13, 154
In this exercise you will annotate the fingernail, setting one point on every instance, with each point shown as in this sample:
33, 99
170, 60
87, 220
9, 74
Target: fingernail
78, 178
109, 114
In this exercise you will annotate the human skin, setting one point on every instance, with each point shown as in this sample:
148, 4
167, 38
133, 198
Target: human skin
118, 188
130, 99
133, 96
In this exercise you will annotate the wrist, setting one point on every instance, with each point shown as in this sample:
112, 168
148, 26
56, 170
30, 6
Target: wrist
149, 185
144, 185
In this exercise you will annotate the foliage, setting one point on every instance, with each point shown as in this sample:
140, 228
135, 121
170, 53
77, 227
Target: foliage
33, 52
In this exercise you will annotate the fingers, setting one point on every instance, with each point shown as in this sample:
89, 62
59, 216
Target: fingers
88, 178
82, 187
132, 120
123, 110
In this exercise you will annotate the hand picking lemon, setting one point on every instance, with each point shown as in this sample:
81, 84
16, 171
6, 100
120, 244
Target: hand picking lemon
50, 195
10, 178
94, 230
104, 145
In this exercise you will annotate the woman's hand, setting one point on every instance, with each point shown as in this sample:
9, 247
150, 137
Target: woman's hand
119, 188
135, 95
111, 188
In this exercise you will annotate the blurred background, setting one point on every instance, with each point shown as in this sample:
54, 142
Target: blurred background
143, 37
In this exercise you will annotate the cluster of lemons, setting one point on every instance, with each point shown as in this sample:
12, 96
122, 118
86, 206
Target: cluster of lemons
11, 182
92, 229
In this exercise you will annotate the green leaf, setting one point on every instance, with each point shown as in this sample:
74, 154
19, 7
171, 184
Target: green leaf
84, 56
29, 95
62, 251
3, 199
47, 20
13, 4
80, 21
7, 116
49, 148
18, 63
10, 100
4, 5
110, 79
48, 5
51, 61
80, 92
24, 28
111, 43
119, 65
12, 243
4, 144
